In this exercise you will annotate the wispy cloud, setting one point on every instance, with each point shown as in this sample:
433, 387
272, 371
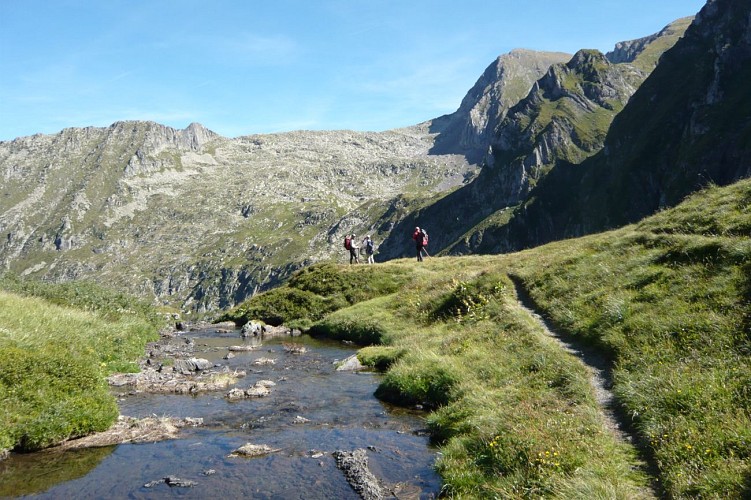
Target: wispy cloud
253, 47
236, 49
121, 76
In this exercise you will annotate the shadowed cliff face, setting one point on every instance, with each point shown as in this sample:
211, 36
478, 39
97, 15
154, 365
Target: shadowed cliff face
687, 126
564, 118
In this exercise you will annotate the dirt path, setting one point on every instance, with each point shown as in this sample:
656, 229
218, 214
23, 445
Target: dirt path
600, 372
601, 379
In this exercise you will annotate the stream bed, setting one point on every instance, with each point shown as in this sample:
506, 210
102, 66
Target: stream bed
312, 411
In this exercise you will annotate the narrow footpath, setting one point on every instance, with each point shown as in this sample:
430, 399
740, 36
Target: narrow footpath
601, 378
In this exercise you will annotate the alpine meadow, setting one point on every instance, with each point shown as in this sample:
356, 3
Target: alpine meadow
580, 328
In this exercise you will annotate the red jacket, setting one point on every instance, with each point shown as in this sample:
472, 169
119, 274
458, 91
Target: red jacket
417, 236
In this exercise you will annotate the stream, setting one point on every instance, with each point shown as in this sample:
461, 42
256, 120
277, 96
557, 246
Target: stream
312, 411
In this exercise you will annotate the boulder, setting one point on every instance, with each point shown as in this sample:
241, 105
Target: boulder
235, 394
253, 450
172, 482
257, 391
351, 364
354, 465
276, 331
251, 329
242, 348
188, 366
176, 482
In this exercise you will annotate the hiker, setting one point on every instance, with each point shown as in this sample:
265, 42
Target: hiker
421, 239
368, 246
349, 244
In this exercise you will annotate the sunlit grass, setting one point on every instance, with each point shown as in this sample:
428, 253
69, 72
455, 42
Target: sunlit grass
666, 301
54, 359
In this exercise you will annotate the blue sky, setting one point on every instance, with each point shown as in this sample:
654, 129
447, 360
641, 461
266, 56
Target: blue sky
243, 67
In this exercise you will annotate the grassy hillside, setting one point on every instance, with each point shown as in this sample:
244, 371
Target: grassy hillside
665, 300
57, 342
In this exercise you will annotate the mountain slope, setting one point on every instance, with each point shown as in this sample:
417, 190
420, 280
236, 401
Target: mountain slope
194, 219
687, 126
564, 118
664, 302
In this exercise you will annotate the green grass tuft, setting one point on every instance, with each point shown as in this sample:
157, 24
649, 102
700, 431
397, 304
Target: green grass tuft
55, 357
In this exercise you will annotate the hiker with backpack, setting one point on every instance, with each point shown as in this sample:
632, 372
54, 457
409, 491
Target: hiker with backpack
349, 244
421, 241
369, 247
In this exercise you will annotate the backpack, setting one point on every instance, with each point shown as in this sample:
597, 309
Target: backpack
424, 237
347, 242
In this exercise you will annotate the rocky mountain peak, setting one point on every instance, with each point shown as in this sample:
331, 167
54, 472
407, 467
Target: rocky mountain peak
588, 62
503, 83
158, 137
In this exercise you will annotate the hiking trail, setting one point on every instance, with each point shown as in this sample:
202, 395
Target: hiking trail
600, 376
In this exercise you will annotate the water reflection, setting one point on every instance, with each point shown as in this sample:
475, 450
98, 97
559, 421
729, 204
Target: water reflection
37, 472
312, 411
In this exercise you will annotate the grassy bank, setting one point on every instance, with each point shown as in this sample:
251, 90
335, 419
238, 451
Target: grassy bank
667, 300
57, 343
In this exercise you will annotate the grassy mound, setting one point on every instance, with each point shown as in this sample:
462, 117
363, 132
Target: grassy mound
54, 358
316, 291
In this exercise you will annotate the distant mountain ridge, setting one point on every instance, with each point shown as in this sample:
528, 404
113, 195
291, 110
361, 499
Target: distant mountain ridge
199, 222
194, 219
686, 127
564, 117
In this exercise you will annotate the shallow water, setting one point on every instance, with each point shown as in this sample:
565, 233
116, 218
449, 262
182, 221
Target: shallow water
339, 407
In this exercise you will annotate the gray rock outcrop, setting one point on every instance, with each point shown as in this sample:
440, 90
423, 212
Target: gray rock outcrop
251, 329
354, 465
350, 364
